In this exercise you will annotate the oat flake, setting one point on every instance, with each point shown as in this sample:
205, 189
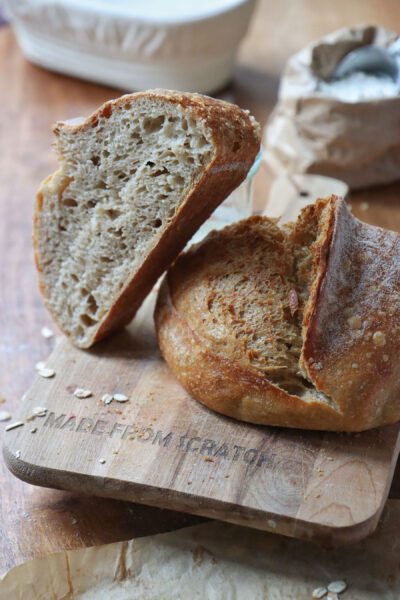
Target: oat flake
337, 587
14, 425
46, 373
82, 393
319, 592
46, 332
120, 397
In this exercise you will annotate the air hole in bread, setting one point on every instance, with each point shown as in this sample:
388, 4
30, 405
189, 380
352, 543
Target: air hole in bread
92, 304
69, 202
236, 146
87, 321
153, 125
113, 214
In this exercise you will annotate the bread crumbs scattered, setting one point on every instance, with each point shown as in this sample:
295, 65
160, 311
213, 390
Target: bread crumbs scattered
208, 459
102, 461
34, 430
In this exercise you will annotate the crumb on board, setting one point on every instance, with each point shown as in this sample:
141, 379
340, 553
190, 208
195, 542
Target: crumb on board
82, 393
46, 373
46, 332
14, 425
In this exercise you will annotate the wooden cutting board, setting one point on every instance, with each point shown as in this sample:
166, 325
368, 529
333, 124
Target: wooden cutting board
163, 448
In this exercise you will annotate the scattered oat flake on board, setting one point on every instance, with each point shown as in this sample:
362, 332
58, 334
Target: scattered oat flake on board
46, 373
82, 393
14, 425
40, 365
4, 415
102, 461
18, 454
337, 587
107, 398
46, 332
120, 397
34, 430
39, 411
208, 459
319, 592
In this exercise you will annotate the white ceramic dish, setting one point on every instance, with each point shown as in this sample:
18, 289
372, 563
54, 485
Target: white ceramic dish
134, 44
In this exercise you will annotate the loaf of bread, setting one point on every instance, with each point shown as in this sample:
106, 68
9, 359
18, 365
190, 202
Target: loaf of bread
136, 179
296, 326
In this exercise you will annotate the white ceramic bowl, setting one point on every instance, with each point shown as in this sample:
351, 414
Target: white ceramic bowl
186, 45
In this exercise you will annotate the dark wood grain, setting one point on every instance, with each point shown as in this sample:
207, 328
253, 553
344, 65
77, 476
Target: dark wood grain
33, 520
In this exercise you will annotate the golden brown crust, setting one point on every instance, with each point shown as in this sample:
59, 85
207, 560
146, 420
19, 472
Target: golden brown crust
236, 138
354, 300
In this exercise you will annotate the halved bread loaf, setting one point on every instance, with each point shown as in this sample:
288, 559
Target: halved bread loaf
135, 181
296, 326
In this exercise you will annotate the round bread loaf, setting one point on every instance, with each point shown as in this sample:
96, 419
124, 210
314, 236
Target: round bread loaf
295, 326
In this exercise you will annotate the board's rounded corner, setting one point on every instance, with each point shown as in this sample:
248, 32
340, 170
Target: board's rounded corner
342, 535
21, 469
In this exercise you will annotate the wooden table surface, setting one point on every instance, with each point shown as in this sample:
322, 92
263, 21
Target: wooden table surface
36, 521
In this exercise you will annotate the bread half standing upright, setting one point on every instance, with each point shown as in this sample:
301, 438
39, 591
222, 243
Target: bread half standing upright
296, 326
136, 179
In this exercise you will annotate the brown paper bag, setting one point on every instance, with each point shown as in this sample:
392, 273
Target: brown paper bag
310, 131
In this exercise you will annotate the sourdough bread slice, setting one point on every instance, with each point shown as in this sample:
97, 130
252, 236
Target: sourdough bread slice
296, 326
136, 179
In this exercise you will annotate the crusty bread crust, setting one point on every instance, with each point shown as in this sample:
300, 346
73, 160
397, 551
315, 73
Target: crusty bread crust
351, 341
236, 139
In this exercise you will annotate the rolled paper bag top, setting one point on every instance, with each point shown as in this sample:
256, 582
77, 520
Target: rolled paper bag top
338, 109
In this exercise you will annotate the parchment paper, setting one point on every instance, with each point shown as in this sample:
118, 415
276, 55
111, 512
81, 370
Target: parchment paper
312, 132
215, 561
